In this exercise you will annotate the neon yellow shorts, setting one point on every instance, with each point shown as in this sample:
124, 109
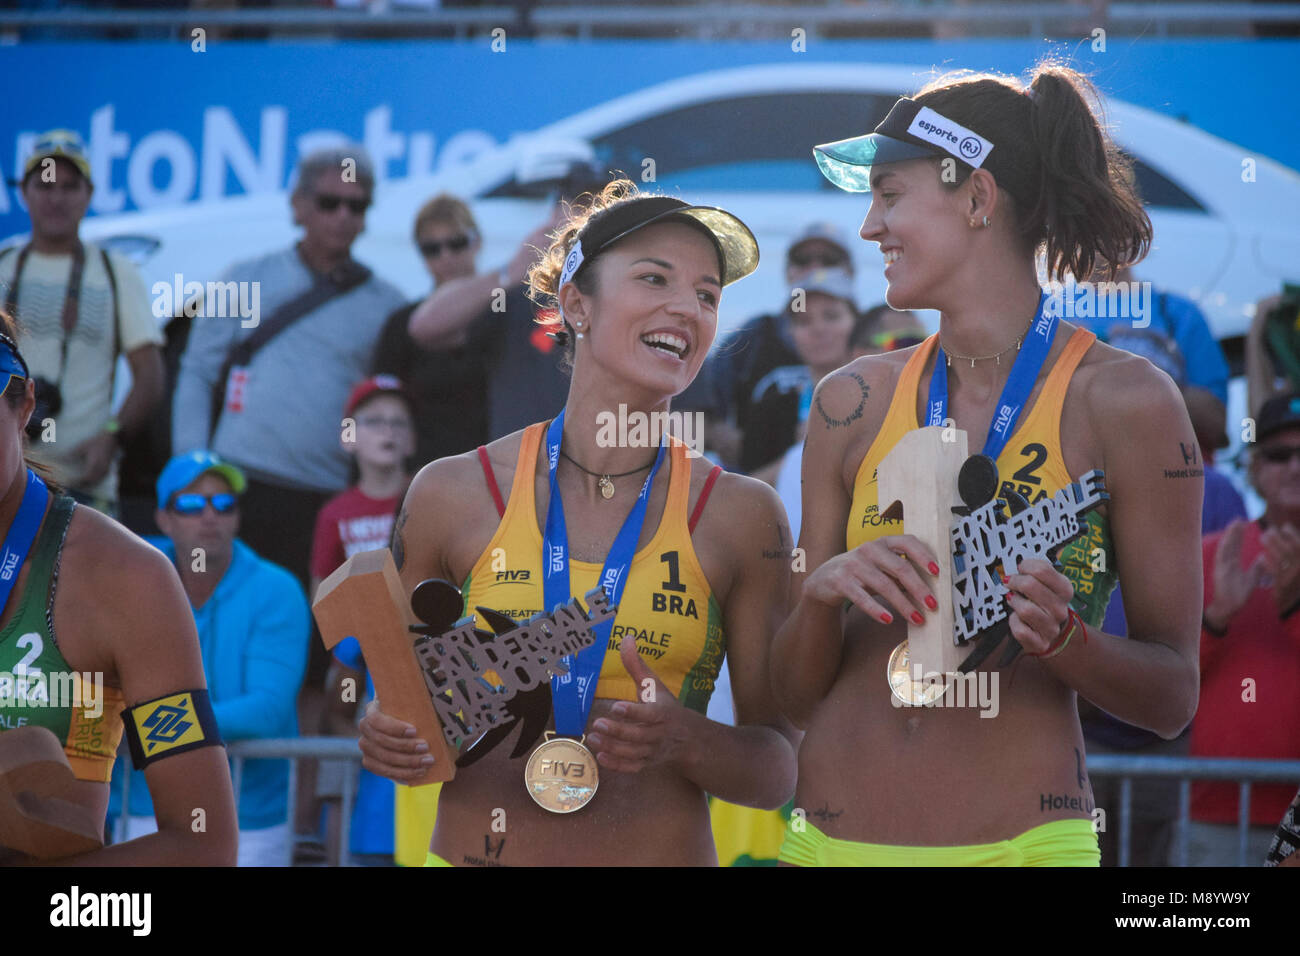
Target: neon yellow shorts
1059, 843
432, 859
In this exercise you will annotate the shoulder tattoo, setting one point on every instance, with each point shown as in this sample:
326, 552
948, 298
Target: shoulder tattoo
853, 416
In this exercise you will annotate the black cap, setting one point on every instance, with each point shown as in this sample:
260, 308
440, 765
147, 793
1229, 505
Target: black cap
736, 245
1278, 413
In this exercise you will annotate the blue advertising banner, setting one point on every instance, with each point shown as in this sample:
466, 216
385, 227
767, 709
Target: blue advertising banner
167, 123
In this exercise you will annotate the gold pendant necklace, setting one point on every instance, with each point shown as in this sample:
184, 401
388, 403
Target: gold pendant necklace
605, 483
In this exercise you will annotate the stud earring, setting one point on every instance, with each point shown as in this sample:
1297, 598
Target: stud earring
578, 328
986, 222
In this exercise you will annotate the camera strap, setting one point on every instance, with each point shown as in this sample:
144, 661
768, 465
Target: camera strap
71, 298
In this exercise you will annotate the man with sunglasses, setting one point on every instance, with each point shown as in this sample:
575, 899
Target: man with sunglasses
271, 404
81, 308
1250, 646
725, 391
253, 622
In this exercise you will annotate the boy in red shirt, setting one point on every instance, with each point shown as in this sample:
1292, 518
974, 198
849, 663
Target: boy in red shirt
381, 439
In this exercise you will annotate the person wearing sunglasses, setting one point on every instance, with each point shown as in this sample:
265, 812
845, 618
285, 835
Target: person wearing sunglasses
490, 314
253, 625
269, 404
1251, 630
447, 382
735, 375
95, 624
882, 329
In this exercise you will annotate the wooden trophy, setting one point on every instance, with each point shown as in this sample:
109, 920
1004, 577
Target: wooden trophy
364, 598
38, 818
980, 531
921, 471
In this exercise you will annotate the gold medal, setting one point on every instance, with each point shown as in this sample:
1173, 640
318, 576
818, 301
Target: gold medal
561, 775
902, 684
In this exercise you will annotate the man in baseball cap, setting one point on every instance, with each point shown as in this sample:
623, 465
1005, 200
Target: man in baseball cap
57, 144
84, 306
183, 470
253, 625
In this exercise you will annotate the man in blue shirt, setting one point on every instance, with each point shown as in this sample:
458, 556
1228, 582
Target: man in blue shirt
253, 626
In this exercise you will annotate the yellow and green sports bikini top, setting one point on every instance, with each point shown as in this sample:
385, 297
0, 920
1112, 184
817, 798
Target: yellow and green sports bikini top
1031, 464
667, 603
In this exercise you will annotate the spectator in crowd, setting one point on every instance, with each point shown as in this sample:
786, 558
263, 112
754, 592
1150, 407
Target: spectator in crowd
266, 397
448, 381
725, 389
1175, 325
882, 329
252, 621
1273, 347
361, 518
821, 320
1250, 645
524, 366
81, 307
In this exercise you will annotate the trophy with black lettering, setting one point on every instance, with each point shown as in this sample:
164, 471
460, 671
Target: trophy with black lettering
457, 684
951, 502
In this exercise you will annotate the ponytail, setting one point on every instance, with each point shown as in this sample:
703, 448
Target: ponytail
1086, 201
1070, 187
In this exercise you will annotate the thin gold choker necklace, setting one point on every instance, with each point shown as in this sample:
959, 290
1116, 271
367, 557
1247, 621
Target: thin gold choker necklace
984, 358
606, 485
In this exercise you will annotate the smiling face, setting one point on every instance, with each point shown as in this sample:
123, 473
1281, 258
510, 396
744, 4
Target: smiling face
654, 312
1278, 481
922, 233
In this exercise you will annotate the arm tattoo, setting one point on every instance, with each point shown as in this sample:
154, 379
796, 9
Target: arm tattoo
399, 546
782, 549
854, 415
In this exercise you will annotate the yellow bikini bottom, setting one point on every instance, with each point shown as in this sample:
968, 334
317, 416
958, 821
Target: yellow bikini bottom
1059, 843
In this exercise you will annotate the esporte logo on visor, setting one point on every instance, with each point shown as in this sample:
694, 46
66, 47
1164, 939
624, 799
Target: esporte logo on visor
968, 146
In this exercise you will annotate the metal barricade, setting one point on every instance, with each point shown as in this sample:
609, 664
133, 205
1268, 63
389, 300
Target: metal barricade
292, 749
1126, 767
1185, 770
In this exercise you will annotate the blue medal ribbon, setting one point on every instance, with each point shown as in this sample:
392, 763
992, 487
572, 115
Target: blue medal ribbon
573, 693
22, 532
1024, 373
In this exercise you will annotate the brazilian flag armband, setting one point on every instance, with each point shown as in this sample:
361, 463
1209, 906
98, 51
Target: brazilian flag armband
175, 724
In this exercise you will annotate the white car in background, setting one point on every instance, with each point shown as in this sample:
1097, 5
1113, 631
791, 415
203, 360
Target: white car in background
742, 139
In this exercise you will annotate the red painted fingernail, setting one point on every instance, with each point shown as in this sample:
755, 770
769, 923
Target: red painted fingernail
934, 568
887, 617
917, 619
1005, 579
931, 603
